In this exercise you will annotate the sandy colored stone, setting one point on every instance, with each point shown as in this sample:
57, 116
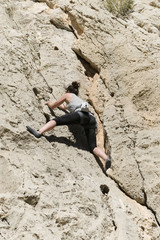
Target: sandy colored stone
60, 19
50, 188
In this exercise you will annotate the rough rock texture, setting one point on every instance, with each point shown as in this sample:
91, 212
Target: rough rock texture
53, 188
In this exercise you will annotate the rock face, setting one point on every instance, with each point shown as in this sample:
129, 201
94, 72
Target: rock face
53, 188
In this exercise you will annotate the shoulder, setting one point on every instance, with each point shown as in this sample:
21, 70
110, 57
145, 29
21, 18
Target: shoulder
68, 97
68, 94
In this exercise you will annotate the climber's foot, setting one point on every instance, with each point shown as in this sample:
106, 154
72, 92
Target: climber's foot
34, 132
107, 163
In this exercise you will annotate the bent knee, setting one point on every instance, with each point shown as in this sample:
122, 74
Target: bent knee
53, 122
93, 149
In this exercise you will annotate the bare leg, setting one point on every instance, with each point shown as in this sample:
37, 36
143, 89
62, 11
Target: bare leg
100, 153
47, 127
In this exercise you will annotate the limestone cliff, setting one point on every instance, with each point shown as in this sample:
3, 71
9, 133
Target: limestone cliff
53, 188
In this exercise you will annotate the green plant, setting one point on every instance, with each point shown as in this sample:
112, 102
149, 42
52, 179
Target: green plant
120, 7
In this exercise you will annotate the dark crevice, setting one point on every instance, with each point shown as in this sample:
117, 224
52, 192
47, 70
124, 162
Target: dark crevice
47, 117
56, 48
149, 208
36, 91
143, 187
90, 71
58, 24
145, 199
77, 28
104, 189
4, 219
143, 204
100, 164
49, 3
115, 226
31, 200
112, 94
122, 190
154, 213
107, 143
72, 29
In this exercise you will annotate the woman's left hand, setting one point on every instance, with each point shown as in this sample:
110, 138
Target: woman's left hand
49, 104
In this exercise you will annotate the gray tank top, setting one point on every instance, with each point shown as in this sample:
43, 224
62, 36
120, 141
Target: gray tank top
74, 104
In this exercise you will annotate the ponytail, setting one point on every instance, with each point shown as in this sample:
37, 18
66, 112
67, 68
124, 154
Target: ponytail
73, 88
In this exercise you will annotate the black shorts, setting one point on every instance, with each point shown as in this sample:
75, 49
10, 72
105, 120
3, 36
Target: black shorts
86, 120
68, 119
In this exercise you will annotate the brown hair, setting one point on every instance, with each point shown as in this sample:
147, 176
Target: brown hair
73, 88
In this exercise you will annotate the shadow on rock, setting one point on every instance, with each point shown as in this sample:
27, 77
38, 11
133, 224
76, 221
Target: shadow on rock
80, 140
79, 137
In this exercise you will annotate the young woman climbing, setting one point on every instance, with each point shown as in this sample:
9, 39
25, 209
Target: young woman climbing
76, 116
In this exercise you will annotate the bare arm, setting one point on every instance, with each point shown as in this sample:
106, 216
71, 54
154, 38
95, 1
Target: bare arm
62, 107
60, 101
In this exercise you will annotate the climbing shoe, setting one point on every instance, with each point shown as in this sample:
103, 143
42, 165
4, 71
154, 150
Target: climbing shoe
34, 132
107, 163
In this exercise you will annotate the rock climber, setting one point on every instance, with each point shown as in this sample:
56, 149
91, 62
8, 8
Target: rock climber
76, 115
